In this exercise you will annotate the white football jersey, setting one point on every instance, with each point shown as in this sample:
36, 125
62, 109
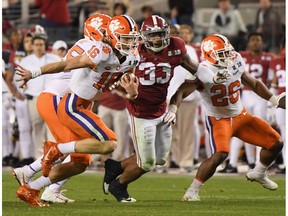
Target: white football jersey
86, 82
58, 84
223, 100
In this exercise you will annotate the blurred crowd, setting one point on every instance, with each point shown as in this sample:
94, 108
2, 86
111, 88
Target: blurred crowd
50, 37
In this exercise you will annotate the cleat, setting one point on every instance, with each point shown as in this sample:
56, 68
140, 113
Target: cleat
21, 175
261, 178
30, 196
109, 175
229, 169
191, 196
120, 192
55, 197
51, 154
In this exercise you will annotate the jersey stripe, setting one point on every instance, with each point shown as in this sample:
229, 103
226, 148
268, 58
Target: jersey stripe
209, 127
131, 23
82, 119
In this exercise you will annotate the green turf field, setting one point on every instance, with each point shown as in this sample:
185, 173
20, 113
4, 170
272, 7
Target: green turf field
157, 195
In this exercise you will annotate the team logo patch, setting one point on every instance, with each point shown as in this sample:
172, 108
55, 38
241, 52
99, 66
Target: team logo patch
114, 25
96, 22
208, 45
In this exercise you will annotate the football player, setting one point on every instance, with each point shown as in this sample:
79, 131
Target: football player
151, 134
100, 65
226, 117
257, 64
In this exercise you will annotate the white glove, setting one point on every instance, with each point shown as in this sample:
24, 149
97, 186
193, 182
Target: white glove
170, 115
222, 76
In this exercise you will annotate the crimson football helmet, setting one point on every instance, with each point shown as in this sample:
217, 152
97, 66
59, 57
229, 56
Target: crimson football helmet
95, 27
155, 32
123, 34
217, 50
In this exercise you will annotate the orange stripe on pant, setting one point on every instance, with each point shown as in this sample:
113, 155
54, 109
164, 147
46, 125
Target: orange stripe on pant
246, 127
47, 105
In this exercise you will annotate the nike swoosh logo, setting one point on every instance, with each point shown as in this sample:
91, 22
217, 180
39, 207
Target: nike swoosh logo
235, 72
46, 157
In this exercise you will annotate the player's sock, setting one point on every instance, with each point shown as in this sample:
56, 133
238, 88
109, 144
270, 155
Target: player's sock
260, 167
34, 167
40, 183
56, 187
197, 184
66, 148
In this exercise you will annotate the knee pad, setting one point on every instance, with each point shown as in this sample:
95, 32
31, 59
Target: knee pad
81, 158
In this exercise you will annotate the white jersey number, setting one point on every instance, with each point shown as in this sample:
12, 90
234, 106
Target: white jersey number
150, 77
281, 76
256, 70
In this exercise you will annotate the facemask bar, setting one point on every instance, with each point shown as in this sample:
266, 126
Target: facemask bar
131, 43
224, 57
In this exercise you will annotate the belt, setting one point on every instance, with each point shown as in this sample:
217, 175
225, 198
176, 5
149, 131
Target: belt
29, 97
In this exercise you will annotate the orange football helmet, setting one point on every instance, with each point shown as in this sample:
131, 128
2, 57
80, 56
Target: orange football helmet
123, 34
95, 27
218, 50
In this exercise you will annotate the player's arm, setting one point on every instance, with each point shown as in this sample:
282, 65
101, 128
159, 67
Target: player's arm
260, 89
183, 91
204, 73
55, 67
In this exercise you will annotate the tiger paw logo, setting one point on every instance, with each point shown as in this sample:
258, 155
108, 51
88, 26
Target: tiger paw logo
96, 22
208, 45
114, 25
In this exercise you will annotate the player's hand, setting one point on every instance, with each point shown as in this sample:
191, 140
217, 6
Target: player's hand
170, 116
25, 75
221, 76
130, 83
282, 100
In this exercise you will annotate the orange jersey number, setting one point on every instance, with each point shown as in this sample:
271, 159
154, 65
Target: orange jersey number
106, 80
233, 94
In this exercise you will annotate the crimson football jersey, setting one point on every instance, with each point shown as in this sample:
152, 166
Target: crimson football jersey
278, 67
257, 66
154, 73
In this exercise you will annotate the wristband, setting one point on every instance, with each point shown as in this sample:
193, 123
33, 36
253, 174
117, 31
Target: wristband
173, 108
128, 96
35, 72
273, 99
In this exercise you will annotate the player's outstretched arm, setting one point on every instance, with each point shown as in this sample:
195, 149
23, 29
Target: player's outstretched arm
183, 91
204, 73
260, 89
55, 67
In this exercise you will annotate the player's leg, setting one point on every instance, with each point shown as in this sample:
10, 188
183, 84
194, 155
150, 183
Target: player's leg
143, 135
258, 132
220, 133
73, 114
30, 192
235, 146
